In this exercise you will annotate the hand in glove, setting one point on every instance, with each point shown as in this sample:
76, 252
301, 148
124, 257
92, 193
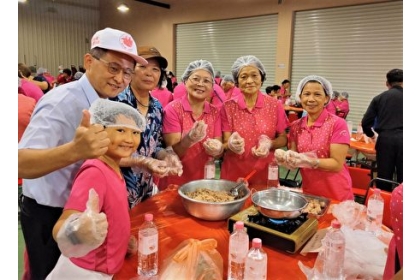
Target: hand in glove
263, 148
155, 166
302, 160
83, 232
173, 162
236, 143
198, 132
280, 156
213, 147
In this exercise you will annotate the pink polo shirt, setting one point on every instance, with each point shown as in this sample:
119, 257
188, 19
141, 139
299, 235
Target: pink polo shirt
267, 117
328, 129
32, 90
218, 96
180, 91
178, 118
163, 95
331, 107
344, 108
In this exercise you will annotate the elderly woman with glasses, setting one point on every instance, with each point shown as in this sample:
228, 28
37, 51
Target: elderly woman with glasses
319, 143
253, 124
152, 160
192, 125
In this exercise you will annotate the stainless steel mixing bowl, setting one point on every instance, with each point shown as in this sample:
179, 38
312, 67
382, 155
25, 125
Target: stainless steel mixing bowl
212, 211
279, 204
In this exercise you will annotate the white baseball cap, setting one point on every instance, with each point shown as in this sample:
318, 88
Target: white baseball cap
116, 40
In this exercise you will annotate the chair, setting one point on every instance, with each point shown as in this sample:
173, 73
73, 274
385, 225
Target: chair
291, 183
386, 220
360, 178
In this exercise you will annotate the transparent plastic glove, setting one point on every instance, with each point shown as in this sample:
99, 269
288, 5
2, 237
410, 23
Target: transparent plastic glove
264, 145
173, 162
301, 160
155, 166
198, 132
83, 232
280, 156
213, 147
236, 143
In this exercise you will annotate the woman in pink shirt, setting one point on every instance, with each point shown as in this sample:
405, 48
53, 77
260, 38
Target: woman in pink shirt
319, 143
253, 124
343, 107
228, 86
162, 94
192, 125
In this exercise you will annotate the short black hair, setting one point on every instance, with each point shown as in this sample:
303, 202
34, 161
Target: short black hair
275, 87
394, 76
268, 89
67, 71
285, 82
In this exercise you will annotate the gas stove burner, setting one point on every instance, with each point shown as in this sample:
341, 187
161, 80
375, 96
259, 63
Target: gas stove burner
277, 222
287, 226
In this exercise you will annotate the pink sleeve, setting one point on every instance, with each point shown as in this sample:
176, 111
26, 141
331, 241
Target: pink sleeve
340, 133
171, 122
331, 108
87, 178
282, 119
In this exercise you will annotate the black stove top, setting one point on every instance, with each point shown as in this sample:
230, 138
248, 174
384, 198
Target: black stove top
287, 226
284, 234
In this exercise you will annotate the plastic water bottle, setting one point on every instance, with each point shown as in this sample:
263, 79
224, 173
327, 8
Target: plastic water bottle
256, 262
334, 245
375, 212
148, 247
210, 169
238, 250
273, 175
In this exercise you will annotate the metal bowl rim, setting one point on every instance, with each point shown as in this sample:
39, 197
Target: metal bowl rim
281, 191
181, 193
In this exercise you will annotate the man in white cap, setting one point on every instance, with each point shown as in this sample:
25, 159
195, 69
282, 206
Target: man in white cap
60, 137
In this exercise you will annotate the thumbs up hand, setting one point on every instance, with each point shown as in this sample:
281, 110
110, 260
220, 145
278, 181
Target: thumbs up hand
93, 226
90, 140
83, 232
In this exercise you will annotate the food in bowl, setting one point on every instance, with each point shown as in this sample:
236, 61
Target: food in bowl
212, 211
315, 206
210, 195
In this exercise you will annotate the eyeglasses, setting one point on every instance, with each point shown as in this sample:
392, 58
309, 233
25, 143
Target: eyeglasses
196, 80
115, 69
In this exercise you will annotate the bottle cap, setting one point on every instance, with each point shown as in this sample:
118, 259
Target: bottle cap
148, 217
239, 225
256, 243
335, 224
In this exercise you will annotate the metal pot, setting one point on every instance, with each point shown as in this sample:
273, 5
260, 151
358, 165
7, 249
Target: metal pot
279, 204
212, 211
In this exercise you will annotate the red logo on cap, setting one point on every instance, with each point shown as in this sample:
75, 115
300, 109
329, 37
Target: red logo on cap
95, 41
127, 41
